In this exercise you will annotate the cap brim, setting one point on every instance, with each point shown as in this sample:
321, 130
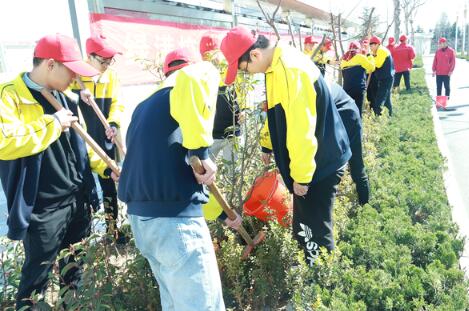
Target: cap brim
174, 68
81, 68
231, 73
107, 52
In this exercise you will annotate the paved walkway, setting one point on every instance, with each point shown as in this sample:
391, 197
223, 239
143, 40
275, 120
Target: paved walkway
452, 129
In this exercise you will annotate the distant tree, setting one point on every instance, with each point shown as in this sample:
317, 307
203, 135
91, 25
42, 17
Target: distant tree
443, 28
369, 22
410, 8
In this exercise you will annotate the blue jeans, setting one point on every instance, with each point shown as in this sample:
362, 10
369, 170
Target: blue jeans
181, 256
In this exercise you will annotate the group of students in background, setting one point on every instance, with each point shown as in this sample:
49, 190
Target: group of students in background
368, 68
313, 129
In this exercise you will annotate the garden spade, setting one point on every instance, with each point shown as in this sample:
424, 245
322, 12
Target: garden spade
251, 243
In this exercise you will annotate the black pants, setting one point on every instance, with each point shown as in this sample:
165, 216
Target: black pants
371, 90
358, 173
440, 80
397, 79
50, 231
312, 216
358, 96
111, 206
383, 96
108, 186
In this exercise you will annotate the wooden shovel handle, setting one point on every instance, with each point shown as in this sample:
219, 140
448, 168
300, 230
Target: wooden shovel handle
79, 129
199, 168
102, 118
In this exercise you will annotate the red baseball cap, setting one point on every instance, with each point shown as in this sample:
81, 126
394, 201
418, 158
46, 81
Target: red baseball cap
391, 40
328, 43
183, 54
310, 40
99, 46
208, 42
236, 42
375, 40
65, 50
354, 45
442, 40
403, 38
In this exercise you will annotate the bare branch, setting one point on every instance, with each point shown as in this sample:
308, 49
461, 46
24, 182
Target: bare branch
387, 30
299, 37
319, 46
339, 32
291, 30
276, 9
334, 36
270, 20
368, 25
266, 15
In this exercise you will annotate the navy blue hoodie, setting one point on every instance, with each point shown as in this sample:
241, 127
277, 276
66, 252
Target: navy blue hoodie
166, 129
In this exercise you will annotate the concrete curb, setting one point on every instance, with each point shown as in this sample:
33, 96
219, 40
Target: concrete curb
458, 212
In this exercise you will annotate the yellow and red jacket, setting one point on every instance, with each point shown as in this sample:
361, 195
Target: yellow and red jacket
304, 128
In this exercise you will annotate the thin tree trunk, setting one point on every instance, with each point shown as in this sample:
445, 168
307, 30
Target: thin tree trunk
368, 24
412, 32
290, 29
339, 32
397, 18
408, 20
299, 38
387, 30
270, 20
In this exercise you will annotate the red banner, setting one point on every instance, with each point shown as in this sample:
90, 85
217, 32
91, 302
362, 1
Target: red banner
145, 41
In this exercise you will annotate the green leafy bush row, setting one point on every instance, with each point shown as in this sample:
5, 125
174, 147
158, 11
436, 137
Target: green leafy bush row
418, 62
400, 252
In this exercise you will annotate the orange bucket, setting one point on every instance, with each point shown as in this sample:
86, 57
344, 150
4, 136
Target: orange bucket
269, 199
441, 101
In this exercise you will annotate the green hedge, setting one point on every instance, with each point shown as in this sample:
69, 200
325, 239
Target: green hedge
418, 62
400, 252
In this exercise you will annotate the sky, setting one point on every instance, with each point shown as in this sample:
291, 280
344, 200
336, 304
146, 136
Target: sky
427, 16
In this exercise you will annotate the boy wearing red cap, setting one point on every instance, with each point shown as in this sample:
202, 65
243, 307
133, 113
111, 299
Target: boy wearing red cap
403, 57
383, 76
391, 44
164, 195
355, 67
309, 44
104, 88
365, 46
304, 131
443, 66
322, 57
45, 167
